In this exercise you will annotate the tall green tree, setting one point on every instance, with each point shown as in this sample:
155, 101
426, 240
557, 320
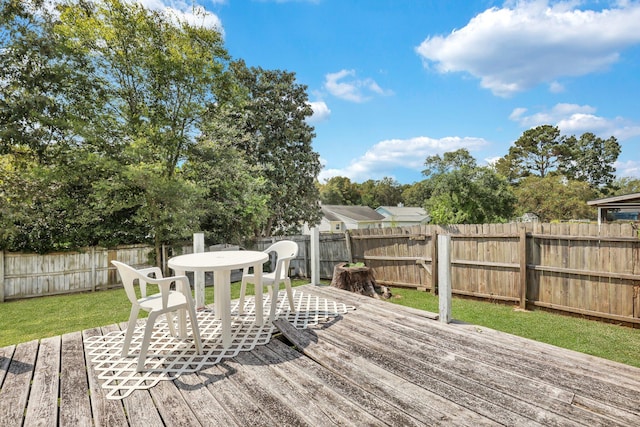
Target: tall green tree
416, 194
339, 190
555, 198
280, 145
45, 87
384, 192
539, 151
464, 193
543, 151
591, 159
625, 185
49, 162
161, 78
235, 201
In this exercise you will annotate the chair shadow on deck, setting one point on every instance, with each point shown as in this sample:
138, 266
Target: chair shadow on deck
169, 357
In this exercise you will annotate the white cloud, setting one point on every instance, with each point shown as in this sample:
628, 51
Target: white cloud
345, 85
186, 11
577, 119
385, 156
512, 49
630, 168
321, 112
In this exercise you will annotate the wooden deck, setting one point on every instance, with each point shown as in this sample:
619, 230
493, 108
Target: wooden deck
379, 365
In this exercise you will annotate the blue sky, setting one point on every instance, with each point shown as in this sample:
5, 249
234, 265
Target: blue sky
394, 81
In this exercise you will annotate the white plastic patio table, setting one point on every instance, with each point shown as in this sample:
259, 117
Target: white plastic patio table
221, 263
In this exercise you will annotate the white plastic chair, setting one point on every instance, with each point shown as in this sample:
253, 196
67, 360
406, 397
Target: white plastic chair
167, 301
285, 251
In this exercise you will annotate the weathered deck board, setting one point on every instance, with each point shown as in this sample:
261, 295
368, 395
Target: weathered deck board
105, 412
506, 389
363, 398
587, 381
42, 409
18, 381
75, 407
305, 388
381, 364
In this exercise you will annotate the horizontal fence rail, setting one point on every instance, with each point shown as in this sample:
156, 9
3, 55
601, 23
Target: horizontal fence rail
577, 268
25, 275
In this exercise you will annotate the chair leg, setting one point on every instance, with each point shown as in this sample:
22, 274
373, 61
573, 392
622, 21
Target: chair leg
243, 289
287, 284
148, 329
131, 326
274, 289
195, 329
172, 326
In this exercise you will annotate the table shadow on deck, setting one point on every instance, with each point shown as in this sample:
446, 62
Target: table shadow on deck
169, 357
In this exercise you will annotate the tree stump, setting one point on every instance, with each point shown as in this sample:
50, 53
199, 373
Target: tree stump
359, 280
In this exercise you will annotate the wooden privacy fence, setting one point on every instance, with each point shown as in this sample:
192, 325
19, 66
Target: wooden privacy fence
578, 268
33, 275
29, 275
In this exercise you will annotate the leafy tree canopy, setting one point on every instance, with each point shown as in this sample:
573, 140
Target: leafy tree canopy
384, 192
463, 193
339, 190
625, 185
123, 124
539, 151
543, 151
555, 198
280, 146
591, 159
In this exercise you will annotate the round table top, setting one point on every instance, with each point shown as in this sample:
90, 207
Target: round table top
219, 260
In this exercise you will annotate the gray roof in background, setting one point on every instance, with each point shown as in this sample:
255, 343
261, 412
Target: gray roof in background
404, 210
357, 213
617, 201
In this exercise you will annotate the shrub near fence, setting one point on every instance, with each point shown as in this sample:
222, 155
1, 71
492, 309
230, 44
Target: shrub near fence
578, 268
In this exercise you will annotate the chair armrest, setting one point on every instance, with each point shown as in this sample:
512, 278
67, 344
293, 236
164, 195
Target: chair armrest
182, 285
146, 272
149, 270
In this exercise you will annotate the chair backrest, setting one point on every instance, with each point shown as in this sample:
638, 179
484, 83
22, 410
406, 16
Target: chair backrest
129, 275
285, 251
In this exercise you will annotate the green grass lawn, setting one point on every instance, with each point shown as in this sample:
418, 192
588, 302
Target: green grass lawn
35, 318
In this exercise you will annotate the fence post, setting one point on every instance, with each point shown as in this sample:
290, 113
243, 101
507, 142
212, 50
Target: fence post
198, 276
347, 240
1, 276
444, 277
315, 256
434, 261
94, 271
522, 246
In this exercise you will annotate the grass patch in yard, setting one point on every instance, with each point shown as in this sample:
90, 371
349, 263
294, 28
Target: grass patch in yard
609, 341
34, 318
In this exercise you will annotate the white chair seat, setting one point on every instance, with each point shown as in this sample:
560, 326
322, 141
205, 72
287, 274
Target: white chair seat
165, 302
154, 302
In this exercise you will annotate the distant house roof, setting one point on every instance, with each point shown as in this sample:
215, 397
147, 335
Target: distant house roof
627, 201
404, 214
401, 210
356, 213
